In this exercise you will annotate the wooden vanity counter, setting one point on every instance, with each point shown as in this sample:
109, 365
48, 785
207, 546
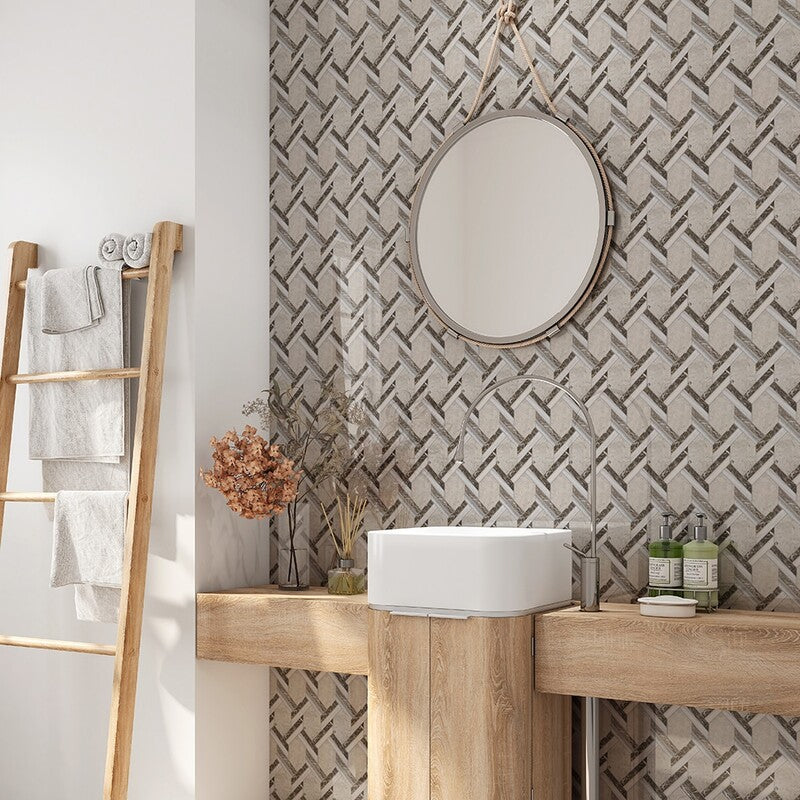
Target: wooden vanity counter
310, 630
733, 660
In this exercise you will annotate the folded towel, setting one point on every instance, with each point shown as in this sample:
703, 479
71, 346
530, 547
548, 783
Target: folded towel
88, 547
137, 250
77, 420
71, 300
112, 247
88, 538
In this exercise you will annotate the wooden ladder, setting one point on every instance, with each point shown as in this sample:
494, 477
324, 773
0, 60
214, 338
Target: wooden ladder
167, 240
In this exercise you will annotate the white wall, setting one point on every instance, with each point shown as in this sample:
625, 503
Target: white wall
232, 301
97, 135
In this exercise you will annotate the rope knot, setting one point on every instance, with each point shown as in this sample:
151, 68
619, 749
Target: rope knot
507, 13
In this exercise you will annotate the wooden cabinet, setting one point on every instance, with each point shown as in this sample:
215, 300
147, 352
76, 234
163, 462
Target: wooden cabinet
450, 711
398, 707
480, 721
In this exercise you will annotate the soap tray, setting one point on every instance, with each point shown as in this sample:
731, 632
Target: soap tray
707, 599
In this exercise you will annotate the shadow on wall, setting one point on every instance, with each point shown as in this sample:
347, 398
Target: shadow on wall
167, 636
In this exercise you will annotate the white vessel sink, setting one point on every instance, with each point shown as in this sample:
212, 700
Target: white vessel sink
463, 572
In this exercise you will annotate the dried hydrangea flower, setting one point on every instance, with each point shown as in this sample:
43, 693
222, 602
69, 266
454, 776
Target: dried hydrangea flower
255, 477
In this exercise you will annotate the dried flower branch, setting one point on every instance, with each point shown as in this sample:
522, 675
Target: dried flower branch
317, 440
255, 477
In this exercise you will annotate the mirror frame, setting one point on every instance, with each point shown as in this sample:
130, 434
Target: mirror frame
594, 269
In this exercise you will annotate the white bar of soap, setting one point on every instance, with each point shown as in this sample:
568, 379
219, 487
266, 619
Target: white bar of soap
667, 605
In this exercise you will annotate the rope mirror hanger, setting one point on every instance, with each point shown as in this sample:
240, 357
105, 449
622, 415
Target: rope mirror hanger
507, 17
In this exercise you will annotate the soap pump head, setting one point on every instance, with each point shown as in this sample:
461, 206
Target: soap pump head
700, 530
665, 529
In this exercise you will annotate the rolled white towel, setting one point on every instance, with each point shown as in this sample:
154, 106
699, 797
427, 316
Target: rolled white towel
112, 247
137, 250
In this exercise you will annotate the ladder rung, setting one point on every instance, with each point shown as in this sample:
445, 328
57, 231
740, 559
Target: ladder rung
78, 375
27, 497
54, 644
127, 275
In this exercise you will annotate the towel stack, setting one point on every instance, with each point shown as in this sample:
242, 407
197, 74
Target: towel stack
133, 250
75, 319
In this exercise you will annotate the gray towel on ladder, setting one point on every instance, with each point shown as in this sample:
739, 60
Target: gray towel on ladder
77, 420
71, 300
88, 544
89, 534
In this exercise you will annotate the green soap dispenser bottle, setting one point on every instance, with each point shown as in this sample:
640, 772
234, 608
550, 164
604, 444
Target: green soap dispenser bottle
701, 567
666, 559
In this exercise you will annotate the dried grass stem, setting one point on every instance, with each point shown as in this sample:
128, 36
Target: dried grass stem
351, 516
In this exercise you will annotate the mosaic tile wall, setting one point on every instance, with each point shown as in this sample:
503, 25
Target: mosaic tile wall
687, 354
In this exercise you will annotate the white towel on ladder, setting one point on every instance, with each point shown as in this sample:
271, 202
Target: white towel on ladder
79, 430
76, 420
88, 544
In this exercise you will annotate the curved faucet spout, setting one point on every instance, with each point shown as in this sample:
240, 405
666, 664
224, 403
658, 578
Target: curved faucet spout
590, 574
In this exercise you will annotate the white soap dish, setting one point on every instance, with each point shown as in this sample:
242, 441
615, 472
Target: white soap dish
667, 605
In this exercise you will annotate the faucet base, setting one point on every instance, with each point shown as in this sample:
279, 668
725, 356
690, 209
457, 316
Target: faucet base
590, 583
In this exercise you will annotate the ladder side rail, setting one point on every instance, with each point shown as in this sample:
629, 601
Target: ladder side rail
167, 240
22, 257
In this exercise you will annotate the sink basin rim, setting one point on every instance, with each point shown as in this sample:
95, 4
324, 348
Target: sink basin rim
469, 570
470, 531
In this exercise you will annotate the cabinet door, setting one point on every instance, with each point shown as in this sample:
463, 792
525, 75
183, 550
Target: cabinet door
398, 707
481, 681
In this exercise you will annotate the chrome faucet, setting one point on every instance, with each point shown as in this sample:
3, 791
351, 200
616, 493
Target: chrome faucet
590, 563
590, 573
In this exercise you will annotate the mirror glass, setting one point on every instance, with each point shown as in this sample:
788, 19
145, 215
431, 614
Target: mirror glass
508, 227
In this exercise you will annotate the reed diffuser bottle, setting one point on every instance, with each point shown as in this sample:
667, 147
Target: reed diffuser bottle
346, 578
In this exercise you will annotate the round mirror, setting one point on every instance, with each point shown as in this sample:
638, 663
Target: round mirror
509, 228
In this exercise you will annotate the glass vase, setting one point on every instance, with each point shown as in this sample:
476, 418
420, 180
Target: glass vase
293, 568
346, 578
293, 555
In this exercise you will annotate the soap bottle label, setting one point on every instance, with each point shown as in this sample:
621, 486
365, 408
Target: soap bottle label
665, 571
700, 573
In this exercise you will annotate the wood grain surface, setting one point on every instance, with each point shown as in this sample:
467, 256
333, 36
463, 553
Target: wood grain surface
398, 707
481, 708
733, 660
310, 630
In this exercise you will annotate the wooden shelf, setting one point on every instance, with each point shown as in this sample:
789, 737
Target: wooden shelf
733, 660
310, 630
